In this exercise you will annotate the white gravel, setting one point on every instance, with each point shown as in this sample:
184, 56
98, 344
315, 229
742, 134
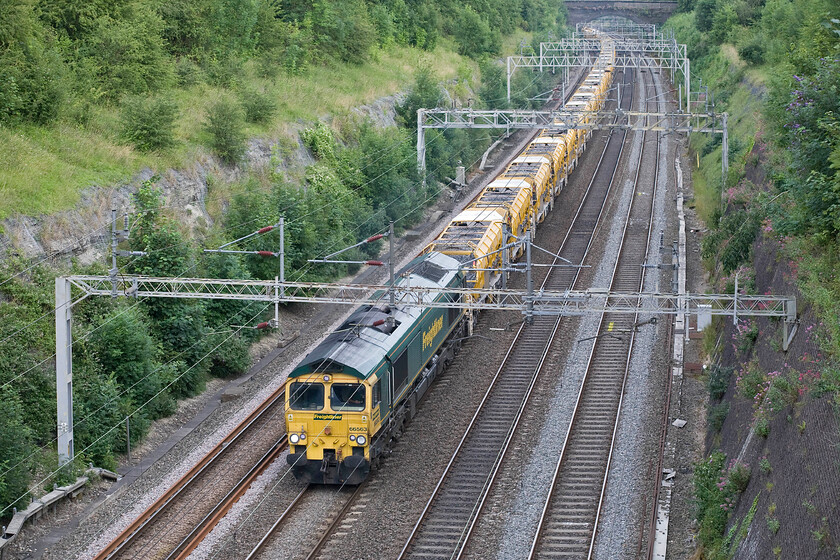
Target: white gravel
249, 503
629, 480
521, 523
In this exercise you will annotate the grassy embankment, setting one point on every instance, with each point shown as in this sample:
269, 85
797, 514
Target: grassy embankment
44, 169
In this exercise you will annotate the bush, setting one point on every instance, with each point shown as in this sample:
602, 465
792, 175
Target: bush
16, 445
762, 426
226, 126
739, 476
717, 416
188, 72
226, 72
752, 52
231, 358
719, 377
128, 55
474, 36
259, 106
149, 123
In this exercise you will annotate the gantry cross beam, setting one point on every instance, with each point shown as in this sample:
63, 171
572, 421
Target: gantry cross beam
529, 303
605, 119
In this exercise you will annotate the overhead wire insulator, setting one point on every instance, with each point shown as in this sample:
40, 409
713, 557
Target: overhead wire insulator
263, 325
374, 263
266, 229
373, 238
378, 322
265, 253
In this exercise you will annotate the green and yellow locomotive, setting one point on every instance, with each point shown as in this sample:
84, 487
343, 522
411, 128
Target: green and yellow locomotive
351, 395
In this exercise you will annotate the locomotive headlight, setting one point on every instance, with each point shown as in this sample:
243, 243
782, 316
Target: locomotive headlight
361, 440
294, 438
303, 435
352, 437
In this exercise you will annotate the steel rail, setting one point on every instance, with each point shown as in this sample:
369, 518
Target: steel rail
657, 485
191, 541
556, 325
149, 516
523, 144
571, 525
641, 284
548, 330
263, 541
325, 536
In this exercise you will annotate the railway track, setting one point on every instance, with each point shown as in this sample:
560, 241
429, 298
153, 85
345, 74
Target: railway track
569, 521
446, 523
177, 522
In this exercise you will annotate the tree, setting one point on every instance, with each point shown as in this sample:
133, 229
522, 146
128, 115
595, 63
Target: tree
15, 447
704, 14
474, 36
31, 71
128, 53
149, 123
178, 324
226, 126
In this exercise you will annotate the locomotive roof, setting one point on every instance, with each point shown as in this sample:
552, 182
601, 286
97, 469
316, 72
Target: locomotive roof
357, 347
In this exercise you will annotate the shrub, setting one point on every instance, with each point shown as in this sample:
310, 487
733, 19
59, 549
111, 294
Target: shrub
231, 358
762, 426
225, 124
717, 415
764, 465
188, 72
15, 441
128, 55
752, 52
149, 123
475, 38
739, 476
772, 525
719, 377
226, 72
259, 106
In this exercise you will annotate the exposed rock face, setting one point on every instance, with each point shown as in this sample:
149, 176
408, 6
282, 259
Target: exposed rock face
84, 232
382, 112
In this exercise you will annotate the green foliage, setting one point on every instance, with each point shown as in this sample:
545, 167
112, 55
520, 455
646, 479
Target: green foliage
762, 426
475, 38
717, 416
704, 14
342, 27
225, 125
724, 22
764, 465
127, 54
716, 491
730, 243
187, 72
149, 123
444, 149
31, 71
259, 106
16, 446
719, 377
231, 358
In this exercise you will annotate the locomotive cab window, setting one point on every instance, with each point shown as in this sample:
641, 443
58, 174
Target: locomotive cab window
376, 394
306, 396
347, 396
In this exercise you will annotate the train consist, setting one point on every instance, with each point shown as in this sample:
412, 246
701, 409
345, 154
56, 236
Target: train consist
350, 397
